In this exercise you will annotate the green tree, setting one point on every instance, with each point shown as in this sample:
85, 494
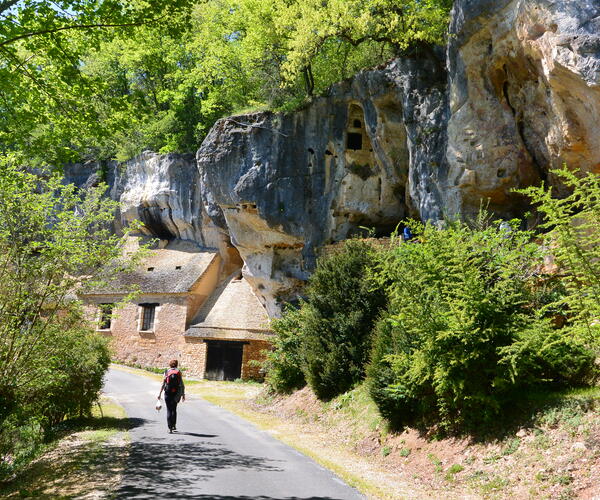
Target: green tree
104, 79
343, 303
460, 337
53, 239
48, 106
284, 362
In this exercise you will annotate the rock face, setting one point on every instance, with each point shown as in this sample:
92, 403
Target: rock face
283, 185
524, 97
516, 95
439, 133
161, 191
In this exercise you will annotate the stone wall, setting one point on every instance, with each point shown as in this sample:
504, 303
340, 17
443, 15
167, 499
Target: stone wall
193, 358
155, 348
254, 353
167, 341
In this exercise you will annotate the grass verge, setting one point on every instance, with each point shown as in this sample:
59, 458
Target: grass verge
85, 460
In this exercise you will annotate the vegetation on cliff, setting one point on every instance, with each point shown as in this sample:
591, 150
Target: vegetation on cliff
474, 319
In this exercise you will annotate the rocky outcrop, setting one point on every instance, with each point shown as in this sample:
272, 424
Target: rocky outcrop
438, 133
524, 97
160, 191
283, 185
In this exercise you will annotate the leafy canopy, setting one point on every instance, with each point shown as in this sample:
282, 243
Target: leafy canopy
104, 79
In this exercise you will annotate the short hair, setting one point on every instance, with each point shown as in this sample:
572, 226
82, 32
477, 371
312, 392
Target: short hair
173, 363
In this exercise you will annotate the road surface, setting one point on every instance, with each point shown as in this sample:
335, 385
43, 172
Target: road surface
213, 455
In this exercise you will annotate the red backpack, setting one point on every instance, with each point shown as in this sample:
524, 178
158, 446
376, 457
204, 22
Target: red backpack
172, 380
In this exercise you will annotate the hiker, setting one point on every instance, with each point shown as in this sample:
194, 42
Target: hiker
407, 234
174, 392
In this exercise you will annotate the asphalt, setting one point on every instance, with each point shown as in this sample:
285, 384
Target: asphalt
213, 455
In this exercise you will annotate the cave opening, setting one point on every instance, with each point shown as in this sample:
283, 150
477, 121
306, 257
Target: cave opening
354, 141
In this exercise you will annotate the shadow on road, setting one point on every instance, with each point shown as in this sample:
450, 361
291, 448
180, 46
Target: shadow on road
96, 423
193, 434
162, 468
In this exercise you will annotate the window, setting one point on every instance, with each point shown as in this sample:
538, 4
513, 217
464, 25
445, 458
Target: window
354, 141
147, 319
150, 269
356, 124
105, 316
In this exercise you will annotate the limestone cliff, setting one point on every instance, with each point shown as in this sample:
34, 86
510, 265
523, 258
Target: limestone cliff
515, 94
524, 97
283, 185
161, 191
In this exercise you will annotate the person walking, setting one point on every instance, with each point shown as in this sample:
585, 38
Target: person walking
174, 392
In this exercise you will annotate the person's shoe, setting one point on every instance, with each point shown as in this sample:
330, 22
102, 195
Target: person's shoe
170, 431
175, 428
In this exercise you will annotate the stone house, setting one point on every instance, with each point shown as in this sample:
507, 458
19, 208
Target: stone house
229, 333
171, 288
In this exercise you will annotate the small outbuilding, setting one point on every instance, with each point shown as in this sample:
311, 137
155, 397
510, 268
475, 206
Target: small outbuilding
176, 292
230, 334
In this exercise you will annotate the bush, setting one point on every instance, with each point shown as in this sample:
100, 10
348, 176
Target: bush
69, 375
74, 376
572, 239
343, 304
284, 363
459, 337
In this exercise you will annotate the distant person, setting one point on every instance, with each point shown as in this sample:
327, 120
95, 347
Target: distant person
174, 392
407, 234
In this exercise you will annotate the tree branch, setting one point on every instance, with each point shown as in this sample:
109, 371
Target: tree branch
256, 126
73, 27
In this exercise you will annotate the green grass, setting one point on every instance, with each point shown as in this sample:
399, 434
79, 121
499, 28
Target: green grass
511, 446
83, 458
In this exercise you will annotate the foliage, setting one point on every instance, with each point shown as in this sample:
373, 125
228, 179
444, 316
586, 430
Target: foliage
572, 240
326, 341
284, 361
343, 303
52, 239
72, 378
319, 30
459, 338
100, 80
49, 109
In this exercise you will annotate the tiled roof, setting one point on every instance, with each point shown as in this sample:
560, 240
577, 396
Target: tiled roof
232, 306
173, 269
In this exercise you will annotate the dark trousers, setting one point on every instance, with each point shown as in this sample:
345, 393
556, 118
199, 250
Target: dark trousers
171, 404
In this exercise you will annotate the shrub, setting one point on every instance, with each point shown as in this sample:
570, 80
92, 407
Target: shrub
459, 337
572, 223
284, 363
74, 375
343, 304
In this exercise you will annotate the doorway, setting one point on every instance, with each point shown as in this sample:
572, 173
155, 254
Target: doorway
223, 359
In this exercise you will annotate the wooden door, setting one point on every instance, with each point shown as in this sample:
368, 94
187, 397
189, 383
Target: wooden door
223, 360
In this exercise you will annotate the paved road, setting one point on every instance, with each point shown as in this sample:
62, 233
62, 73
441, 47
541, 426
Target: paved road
214, 454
